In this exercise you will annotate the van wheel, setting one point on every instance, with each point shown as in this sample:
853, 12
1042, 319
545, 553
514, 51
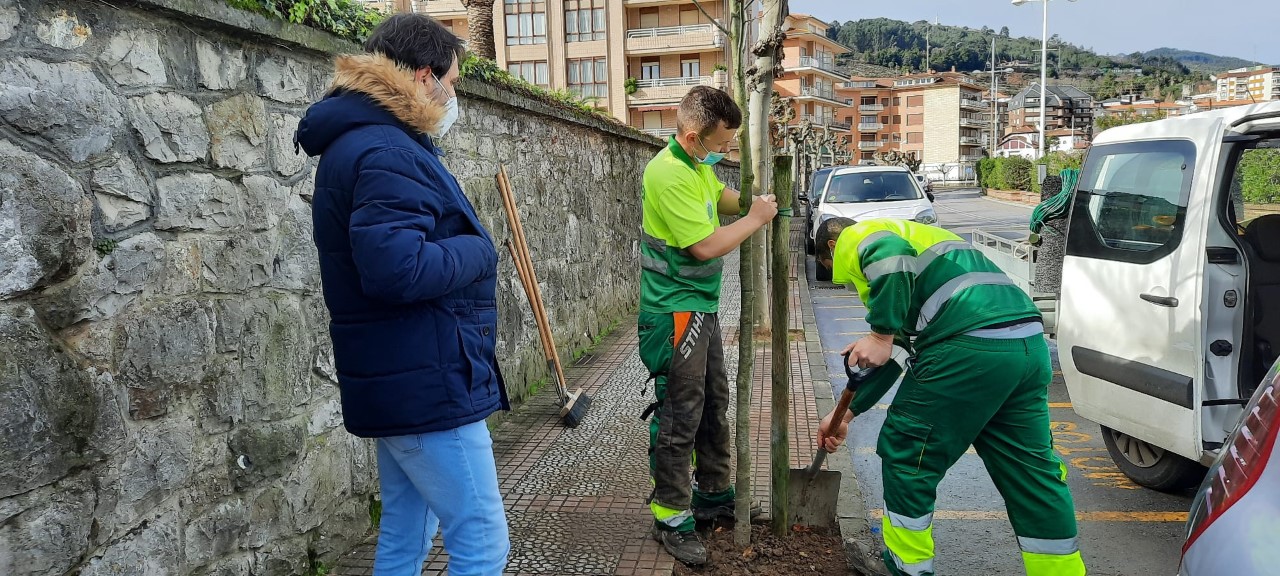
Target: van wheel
822, 274
1149, 465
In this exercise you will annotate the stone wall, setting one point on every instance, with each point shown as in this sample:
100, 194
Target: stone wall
167, 394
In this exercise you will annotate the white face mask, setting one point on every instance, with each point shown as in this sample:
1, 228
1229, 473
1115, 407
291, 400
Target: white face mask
450, 112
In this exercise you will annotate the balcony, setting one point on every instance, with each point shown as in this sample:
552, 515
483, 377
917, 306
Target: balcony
870, 127
674, 39
870, 108
442, 8
859, 85
826, 94
824, 64
973, 103
654, 91
971, 141
863, 145
660, 132
975, 122
827, 121
970, 157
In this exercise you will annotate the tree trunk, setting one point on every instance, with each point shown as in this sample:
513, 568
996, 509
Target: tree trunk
746, 272
780, 449
480, 28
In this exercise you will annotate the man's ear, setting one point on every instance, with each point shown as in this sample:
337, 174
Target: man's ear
831, 244
422, 75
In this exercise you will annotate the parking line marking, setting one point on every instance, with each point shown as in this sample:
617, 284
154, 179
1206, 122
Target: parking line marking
1059, 404
1080, 516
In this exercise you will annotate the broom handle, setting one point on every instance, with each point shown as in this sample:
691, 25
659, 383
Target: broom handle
532, 288
525, 281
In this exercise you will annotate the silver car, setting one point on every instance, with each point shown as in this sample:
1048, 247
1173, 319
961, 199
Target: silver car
1236, 515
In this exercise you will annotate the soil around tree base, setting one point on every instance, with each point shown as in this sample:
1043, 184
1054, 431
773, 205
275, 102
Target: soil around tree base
802, 553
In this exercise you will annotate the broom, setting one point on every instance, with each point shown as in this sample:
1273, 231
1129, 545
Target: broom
573, 407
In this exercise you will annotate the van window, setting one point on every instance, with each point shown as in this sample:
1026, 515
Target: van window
819, 180
1131, 201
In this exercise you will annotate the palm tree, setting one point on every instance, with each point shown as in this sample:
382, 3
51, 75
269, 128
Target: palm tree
480, 28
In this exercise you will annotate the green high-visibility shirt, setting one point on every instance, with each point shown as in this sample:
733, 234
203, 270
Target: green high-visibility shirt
680, 208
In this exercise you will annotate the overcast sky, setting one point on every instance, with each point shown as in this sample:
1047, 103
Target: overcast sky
1241, 28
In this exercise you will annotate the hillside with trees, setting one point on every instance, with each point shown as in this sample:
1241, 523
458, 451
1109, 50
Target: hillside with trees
901, 46
1200, 61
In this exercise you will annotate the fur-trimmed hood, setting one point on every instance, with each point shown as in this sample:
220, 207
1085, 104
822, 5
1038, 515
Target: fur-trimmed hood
361, 80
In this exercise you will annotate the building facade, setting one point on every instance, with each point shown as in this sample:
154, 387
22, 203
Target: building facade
634, 58
1067, 108
810, 75
1255, 84
939, 118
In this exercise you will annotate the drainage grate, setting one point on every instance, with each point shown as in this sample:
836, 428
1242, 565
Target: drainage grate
827, 287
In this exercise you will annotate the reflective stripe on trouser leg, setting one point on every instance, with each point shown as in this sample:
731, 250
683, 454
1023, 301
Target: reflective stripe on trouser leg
909, 543
1051, 557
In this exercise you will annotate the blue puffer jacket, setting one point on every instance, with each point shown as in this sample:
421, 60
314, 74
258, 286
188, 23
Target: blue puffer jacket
409, 273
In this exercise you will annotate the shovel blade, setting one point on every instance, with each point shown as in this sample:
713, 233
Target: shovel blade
811, 497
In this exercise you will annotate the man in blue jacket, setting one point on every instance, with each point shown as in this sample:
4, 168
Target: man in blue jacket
410, 280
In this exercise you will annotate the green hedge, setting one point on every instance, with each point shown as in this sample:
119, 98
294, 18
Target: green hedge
1019, 173
1259, 172
1005, 173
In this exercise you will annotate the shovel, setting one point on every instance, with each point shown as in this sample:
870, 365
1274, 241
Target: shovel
812, 491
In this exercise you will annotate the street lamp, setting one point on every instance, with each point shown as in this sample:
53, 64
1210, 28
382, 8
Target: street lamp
1044, 62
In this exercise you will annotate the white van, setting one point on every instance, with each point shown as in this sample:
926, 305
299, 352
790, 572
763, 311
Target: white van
1169, 310
862, 192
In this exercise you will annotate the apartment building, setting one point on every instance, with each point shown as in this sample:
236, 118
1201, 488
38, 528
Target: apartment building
635, 58
939, 118
1066, 108
810, 76
1258, 83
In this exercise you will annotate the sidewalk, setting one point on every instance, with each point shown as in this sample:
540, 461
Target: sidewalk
575, 498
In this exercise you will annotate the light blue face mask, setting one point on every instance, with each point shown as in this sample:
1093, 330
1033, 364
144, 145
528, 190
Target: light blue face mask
712, 157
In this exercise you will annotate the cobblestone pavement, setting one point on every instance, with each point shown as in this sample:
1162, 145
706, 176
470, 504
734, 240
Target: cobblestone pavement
575, 498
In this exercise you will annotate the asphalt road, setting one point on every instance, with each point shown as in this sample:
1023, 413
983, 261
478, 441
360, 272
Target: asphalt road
1125, 530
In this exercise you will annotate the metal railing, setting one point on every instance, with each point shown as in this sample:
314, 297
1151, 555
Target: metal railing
863, 145
670, 31
860, 84
677, 81
972, 103
817, 92
660, 132
973, 140
870, 127
973, 121
870, 107
819, 63
838, 125
970, 157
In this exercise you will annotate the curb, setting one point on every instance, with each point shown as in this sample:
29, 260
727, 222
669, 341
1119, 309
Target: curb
861, 545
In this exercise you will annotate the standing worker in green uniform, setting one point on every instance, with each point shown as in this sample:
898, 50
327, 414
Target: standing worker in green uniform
979, 376
679, 328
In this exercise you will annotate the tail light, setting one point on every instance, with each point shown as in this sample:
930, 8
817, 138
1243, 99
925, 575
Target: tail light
1241, 462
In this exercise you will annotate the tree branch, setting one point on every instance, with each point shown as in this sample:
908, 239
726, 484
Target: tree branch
723, 30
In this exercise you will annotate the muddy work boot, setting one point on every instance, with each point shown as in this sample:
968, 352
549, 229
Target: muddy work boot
684, 546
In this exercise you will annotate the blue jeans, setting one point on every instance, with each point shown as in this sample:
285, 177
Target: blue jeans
441, 480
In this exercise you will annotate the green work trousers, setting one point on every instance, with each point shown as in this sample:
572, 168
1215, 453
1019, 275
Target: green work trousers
993, 395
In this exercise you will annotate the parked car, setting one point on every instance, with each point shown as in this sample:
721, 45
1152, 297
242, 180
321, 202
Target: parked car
1234, 516
1166, 312
926, 185
812, 199
864, 192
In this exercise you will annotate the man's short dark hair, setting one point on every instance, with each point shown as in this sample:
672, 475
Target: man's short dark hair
829, 230
416, 41
704, 108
